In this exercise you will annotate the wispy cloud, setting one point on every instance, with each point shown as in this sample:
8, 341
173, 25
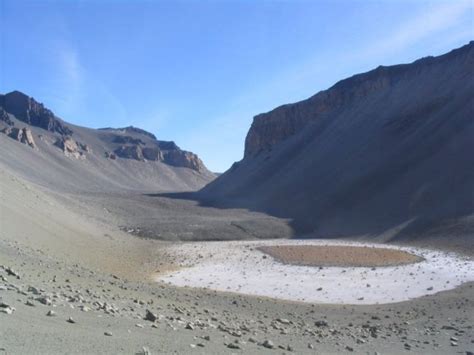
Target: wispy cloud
77, 93
437, 18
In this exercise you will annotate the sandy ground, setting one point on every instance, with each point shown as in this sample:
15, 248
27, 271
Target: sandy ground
59, 253
337, 255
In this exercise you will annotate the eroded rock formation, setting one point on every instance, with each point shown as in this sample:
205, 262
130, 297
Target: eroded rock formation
22, 135
70, 147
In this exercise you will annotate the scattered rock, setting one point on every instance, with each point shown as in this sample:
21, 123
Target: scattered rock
233, 346
268, 344
150, 316
44, 300
321, 323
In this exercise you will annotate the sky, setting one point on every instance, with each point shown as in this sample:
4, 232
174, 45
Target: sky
197, 72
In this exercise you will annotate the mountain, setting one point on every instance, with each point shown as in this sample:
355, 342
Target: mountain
388, 149
40, 146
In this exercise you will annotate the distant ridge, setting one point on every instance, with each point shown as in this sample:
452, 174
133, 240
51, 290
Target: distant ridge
108, 151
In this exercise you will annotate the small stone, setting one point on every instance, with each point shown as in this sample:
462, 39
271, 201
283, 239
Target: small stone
429, 288
33, 290
144, 351
233, 346
348, 348
189, 326
51, 313
150, 316
109, 334
268, 344
44, 300
321, 323
310, 346
7, 310
283, 321
29, 303
70, 320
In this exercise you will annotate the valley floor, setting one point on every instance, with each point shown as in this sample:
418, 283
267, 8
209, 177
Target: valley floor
60, 253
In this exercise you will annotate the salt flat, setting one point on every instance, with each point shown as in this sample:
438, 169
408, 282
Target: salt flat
241, 268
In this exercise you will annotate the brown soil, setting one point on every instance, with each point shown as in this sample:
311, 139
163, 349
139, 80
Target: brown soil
314, 255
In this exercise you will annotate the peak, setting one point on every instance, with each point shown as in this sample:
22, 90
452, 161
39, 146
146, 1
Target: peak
16, 93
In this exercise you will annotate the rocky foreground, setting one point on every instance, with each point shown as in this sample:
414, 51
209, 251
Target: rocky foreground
52, 306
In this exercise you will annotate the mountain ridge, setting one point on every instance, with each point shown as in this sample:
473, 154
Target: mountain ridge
294, 116
28, 121
384, 152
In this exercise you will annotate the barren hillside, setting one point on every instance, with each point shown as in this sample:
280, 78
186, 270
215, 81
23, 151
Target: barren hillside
387, 149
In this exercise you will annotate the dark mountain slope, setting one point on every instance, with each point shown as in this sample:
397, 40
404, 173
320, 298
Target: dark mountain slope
372, 152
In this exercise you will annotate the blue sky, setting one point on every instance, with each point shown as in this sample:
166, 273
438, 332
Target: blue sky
196, 72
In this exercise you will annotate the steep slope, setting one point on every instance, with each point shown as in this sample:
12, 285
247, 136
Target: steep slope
373, 152
68, 157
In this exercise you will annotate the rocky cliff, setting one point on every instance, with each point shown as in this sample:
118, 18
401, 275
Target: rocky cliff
269, 129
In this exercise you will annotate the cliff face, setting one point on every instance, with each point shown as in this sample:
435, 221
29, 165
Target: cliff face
269, 129
370, 153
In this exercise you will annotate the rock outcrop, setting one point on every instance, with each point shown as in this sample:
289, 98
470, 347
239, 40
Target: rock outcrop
129, 152
70, 147
22, 135
27, 110
153, 154
181, 158
175, 157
